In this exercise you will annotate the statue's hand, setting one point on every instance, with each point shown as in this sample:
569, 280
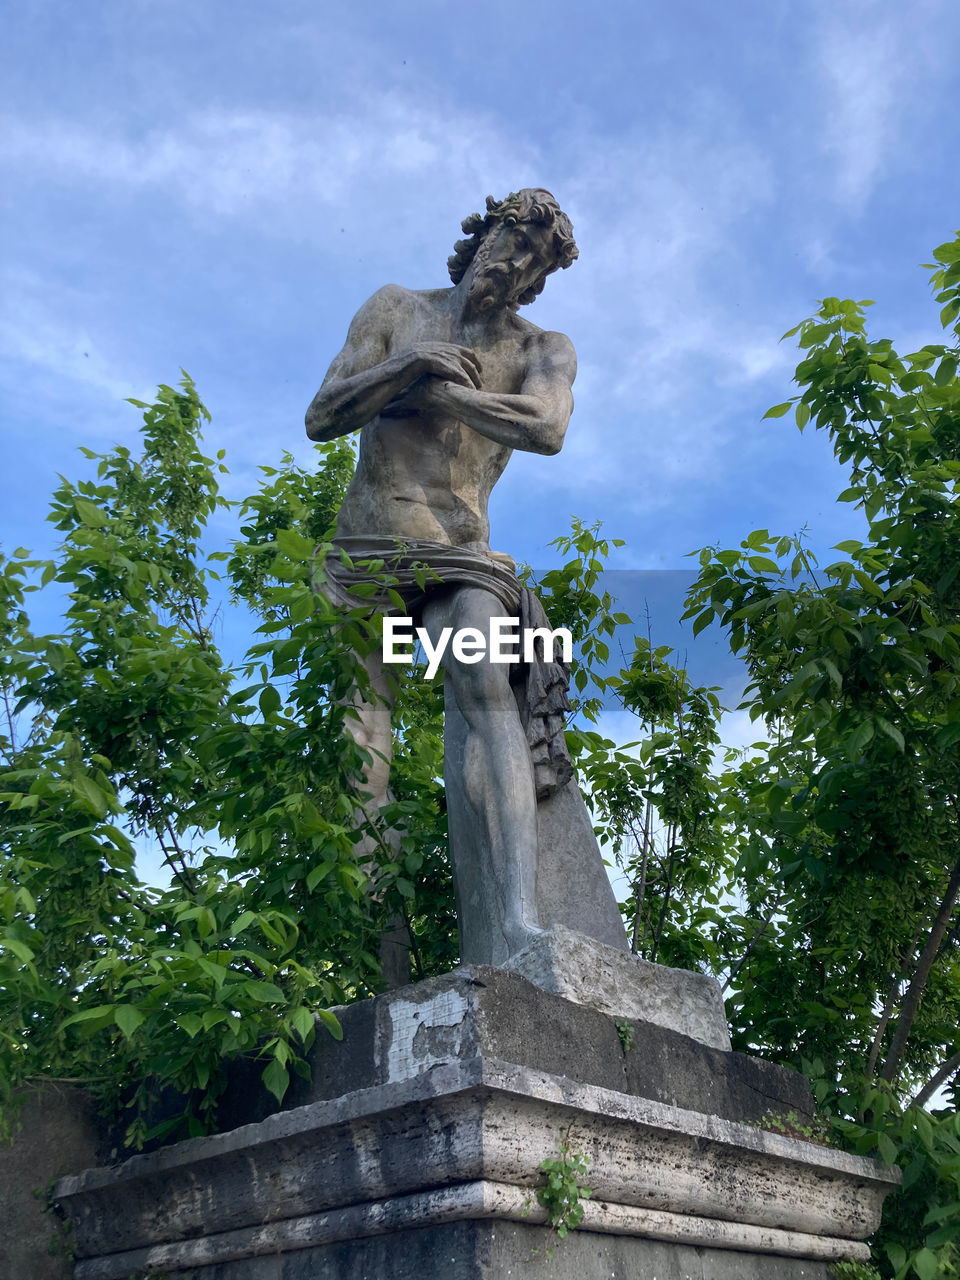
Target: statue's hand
448, 362
421, 397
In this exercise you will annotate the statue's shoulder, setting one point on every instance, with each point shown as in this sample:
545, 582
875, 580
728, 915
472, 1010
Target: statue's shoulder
394, 293
545, 341
394, 302
391, 297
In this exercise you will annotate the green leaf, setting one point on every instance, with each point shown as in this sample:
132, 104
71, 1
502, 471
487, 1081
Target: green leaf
89, 513
892, 732
191, 1023
296, 546
941, 1211
703, 621
271, 933
897, 1255
887, 1149
93, 1018
303, 1023
947, 252
265, 992
128, 1018
94, 795
19, 949
831, 670
318, 874
330, 1022
270, 702
868, 583
925, 1264
925, 1133
763, 564
276, 1078
946, 370
861, 737
778, 410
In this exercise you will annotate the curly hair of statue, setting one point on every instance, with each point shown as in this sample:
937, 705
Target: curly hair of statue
532, 204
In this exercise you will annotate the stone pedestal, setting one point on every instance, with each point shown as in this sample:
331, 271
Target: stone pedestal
415, 1153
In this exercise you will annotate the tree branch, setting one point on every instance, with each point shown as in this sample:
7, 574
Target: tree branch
933, 1084
887, 1012
641, 892
667, 893
915, 991
753, 942
10, 725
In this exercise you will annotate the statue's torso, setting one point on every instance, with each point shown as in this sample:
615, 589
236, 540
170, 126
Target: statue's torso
426, 475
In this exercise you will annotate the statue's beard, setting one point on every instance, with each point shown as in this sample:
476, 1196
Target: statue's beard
492, 284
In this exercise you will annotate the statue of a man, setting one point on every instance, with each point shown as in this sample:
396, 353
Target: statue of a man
443, 385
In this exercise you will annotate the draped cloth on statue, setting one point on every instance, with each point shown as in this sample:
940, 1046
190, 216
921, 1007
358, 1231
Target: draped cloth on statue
415, 569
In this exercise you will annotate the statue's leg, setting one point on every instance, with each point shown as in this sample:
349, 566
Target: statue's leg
368, 721
489, 773
369, 724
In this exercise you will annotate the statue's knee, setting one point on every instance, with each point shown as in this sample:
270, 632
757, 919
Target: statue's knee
367, 724
482, 685
373, 734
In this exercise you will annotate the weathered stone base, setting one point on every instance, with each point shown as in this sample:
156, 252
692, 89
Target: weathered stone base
477, 1229
501, 1250
428, 1167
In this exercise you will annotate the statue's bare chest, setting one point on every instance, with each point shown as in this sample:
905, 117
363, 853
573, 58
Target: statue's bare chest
500, 344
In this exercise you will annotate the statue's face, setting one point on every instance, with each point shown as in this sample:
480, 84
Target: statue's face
509, 261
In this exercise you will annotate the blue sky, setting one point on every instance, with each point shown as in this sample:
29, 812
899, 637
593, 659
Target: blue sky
218, 186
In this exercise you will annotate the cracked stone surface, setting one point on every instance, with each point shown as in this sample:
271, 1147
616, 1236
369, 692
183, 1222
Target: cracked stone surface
480, 1011
570, 964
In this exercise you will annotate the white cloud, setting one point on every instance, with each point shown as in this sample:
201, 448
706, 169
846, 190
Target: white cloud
39, 328
662, 216
757, 359
869, 63
862, 71
665, 214
654, 211
64, 367
247, 163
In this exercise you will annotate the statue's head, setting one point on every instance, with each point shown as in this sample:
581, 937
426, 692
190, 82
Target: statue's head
548, 229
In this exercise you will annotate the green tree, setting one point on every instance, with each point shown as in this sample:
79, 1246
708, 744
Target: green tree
130, 731
847, 821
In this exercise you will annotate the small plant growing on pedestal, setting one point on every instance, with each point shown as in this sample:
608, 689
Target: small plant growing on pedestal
625, 1032
563, 1192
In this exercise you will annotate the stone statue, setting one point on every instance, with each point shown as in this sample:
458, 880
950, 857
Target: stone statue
443, 385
